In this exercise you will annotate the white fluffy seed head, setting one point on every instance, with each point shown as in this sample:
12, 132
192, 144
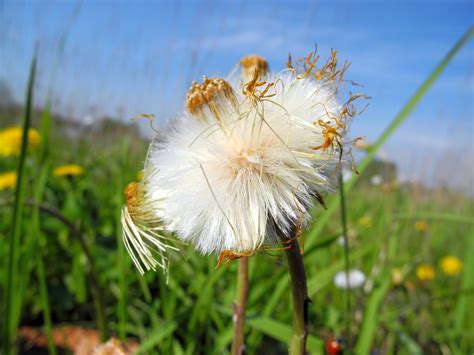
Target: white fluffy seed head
242, 167
247, 179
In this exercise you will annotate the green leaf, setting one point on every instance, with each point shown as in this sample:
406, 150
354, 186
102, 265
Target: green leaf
157, 335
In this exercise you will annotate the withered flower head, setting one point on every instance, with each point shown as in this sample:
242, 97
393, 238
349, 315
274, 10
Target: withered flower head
251, 63
214, 95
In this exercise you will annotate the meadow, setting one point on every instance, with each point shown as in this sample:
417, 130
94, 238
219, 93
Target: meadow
64, 265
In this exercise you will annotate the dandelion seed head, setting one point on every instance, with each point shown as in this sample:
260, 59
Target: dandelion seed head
241, 180
241, 168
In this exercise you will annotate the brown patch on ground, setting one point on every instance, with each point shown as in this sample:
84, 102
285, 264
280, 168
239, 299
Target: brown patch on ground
81, 341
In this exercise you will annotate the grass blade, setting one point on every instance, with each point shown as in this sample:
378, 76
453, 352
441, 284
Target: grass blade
465, 302
11, 284
156, 336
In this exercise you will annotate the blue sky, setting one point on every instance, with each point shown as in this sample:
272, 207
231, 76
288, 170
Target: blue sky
123, 58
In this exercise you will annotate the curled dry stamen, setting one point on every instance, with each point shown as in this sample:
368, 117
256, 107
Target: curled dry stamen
252, 88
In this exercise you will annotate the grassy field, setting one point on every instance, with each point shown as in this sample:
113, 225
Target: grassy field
64, 263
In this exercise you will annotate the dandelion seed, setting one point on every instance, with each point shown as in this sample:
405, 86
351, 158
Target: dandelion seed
352, 279
425, 272
451, 265
8, 180
68, 170
10, 140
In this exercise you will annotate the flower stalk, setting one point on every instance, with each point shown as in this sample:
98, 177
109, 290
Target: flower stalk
300, 299
240, 304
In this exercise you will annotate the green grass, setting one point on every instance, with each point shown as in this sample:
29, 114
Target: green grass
67, 265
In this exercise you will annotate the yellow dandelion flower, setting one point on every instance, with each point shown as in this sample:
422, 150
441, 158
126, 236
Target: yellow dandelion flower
8, 180
10, 140
68, 170
451, 265
397, 276
425, 272
365, 221
421, 226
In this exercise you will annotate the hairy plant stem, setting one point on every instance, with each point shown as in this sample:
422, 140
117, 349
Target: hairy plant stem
238, 316
300, 299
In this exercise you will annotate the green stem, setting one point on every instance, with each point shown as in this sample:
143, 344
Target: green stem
238, 344
346, 257
45, 303
300, 299
93, 276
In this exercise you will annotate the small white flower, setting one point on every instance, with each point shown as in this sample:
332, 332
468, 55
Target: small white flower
341, 241
376, 180
353, 279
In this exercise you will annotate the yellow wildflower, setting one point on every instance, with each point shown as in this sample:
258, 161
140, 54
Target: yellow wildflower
10, 140
68, 170
7, 180
425, 272
397, 276
451, 265
421, 226
365, 221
